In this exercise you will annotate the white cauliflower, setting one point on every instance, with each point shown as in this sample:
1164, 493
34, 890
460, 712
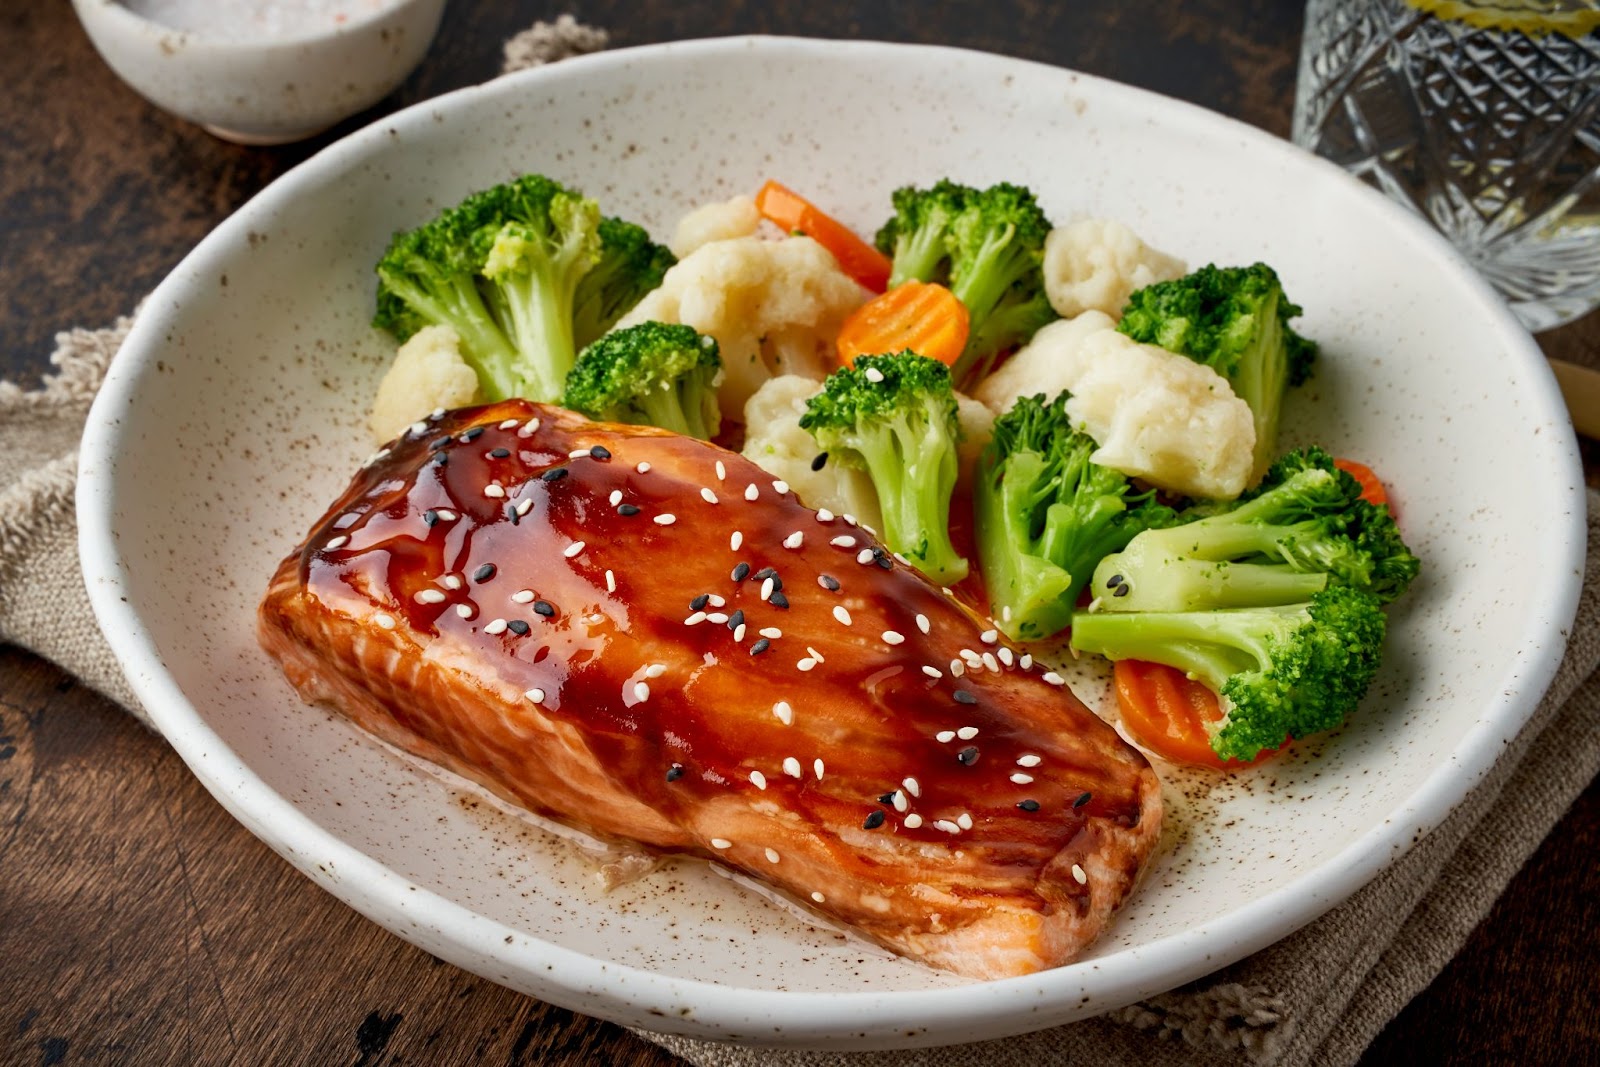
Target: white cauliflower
427, 373
1095, 264
1047, 364
775, 442
774, 306
715, 222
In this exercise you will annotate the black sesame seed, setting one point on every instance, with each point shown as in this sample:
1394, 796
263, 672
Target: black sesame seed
964, 697
885, 562
472, 434
819, 460
1081, 801
778, 600
760, 647
1028, 805
777, 583
887, 798
438, 443
499, 453
699, 602
511, 512
878, 552
1121, 590
484, 573
674, 772
555, 474
1114, 581
518, 626
968, 756
765, 573
628, 509
430, 517
440, 459
874, 821
741, 571
736, 620
829, 582
599, 452
544, 607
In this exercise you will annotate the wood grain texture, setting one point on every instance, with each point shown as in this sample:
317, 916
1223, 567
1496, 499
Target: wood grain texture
140, 924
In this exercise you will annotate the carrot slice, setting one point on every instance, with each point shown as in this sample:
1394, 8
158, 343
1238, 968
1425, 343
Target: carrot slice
795, 214
1372, 490
1166, 712
926, 318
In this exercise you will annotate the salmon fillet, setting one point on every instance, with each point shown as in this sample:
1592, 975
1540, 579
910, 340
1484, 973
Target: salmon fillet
645, 637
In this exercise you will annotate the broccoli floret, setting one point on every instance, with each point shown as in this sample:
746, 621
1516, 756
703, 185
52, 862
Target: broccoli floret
1304, 529
988, 246
504, 269
1286, 671
895, 415
652, 374
1046, 514
630, 265
1235, 320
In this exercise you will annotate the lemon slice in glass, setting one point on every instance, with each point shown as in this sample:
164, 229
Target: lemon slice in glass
1573, 18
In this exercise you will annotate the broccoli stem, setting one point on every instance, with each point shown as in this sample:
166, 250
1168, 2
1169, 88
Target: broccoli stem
457, 303
539, 310
1209, 646
915, 493
668, 408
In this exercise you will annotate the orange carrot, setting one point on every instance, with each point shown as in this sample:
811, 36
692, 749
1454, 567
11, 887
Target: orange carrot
795, 214
1166, 711
926, 318
1372, 490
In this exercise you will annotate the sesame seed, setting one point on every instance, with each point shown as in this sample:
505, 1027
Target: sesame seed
967, 733
778, 600
615, 497
751, 492
956, 669
947, 826
574, 549
972, 658
336, 542
989, 637
735, 540
643, 468
1026, 662
771, 631
707, 495
922, 623
721, 842
873, 821
666, 518
439, 459
944, 737
1021, 778
828, 582
890, 637
536, 695
772, 855
932, 672
964, 697
696, 619
445, 515
464, 610
1082, 800
628, 510
484, 573
1029, 760
843, 541
964, 821
655, 670
806, 664
818, 897
524, 506
784, 712
865, 557
717, 601
967, 756
718, 617
555, 474
497, 626
913, 821
791, 767
819, 460
760, 646
842, 614
1028, 805
989, 662
912, 786
417, 429
674, 772
736, 619
794, 540
576, 453
758, 779
600, 452
1078, 875
518, 627
499, 453
848, 518
780, 487
429, 596
738, 633
816, 768
897, 556
874, 375
611, 582
507, 424
529, 428
722, 472
385, 621
1006, 656
814, 654
767, 588
901, 804
472, 434
824, 515
544, 607
700, 601
430, 517
740, 572
1053, 678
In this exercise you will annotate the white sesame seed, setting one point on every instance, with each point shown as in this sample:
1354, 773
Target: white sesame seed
806, 664
967, 733
503, 426
536, 695
1053, 678
751, 492
780, 487
1029, 760
990, 662
1005, 613
772, 855
494, 489
576, 452
722, 472
1079, 876
707, 495
643, 468
912, 786
528, 429
496, 626
794, 540
716, 601
814, 654
784, 712
523, 596
641, 691
735, 541
869, 530
770, 632
524, 506
902, 559
864, 557
336, 542
922, 623
890, 637
1094, 605
791, 767
816, 768
767, 588
1021, 779
1026, 662
758, 779
932, 672
738, 633
913, 821
843, 541
666, 518
944, 737
964, 821
445, 515
947, 826
874, 375
721, 842
849, 518
574, 549
989, 637
718, 617
824, 515
970, 656
818, 897
429, 596
655, 670
1006, 656
611, 582
379, 454
464, 610
956, 668
901, 804
840, 613
385, 621
615, 498
696, 619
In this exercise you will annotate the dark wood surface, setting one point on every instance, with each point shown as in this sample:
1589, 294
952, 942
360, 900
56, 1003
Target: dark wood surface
140, 924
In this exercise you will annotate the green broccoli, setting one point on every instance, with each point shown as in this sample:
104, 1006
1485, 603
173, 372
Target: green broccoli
895, 415
1046, 514
987, 245
1236, 321
1286, 671
504, 269
630, 265
652, 374
1304, 529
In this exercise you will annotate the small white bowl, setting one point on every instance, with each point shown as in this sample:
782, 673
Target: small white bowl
268, 91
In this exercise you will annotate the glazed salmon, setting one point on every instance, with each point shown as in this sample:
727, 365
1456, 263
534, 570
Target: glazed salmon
645, 637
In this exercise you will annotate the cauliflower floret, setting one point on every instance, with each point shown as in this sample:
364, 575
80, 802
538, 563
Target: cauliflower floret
1095, 264
1047, 364
715, 222
775, 442
775, 307
427, 373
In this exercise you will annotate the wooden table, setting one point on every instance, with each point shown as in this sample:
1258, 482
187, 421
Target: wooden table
139, 923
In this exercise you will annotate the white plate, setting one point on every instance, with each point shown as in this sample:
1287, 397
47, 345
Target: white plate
234, 415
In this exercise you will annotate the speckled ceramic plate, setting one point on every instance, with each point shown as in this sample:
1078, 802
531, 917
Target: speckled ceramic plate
234, 414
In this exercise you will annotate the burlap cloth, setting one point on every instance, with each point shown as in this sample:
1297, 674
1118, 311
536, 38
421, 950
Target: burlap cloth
1317, 997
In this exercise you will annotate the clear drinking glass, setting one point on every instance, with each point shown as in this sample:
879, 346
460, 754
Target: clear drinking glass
1483, 115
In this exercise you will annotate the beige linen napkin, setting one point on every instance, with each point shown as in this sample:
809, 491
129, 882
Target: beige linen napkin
1316, 997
